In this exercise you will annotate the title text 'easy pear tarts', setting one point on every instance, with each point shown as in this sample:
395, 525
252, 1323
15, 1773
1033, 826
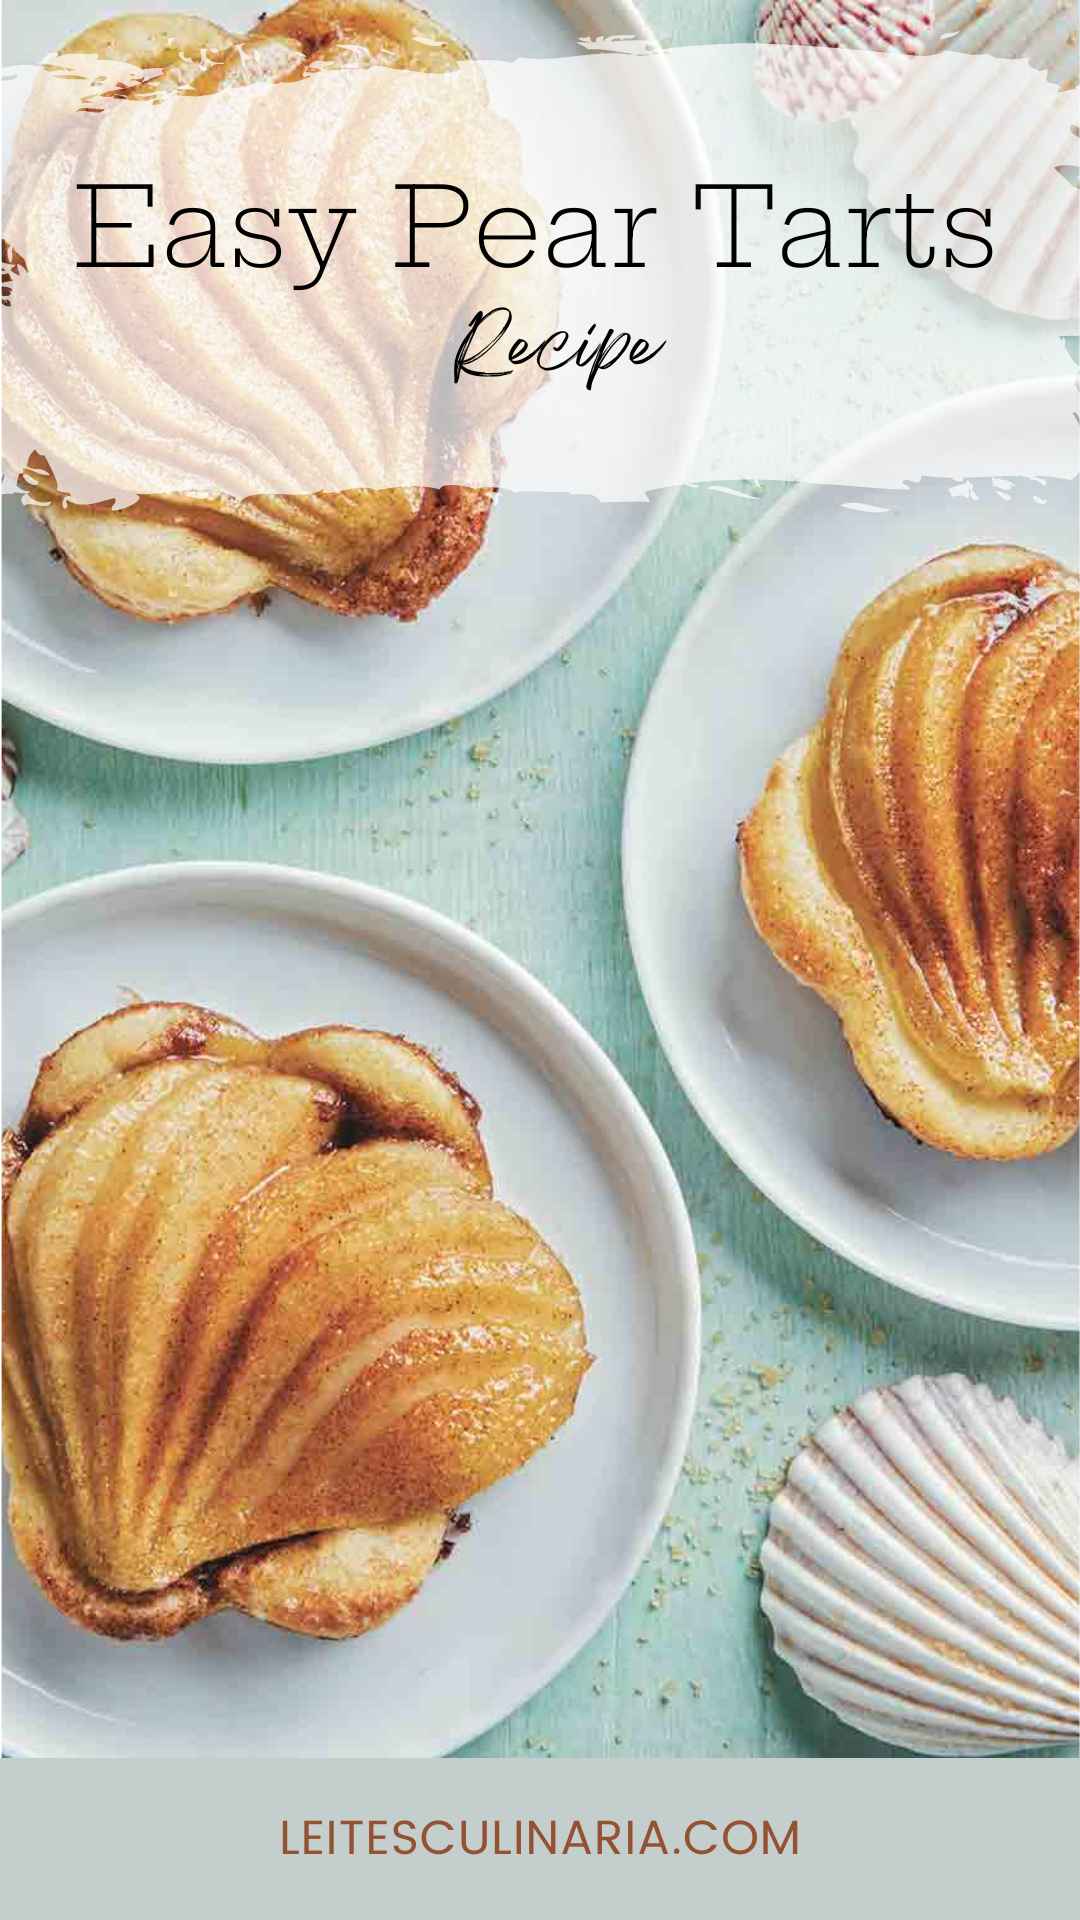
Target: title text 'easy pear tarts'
191, 439
265, 1328
914, 857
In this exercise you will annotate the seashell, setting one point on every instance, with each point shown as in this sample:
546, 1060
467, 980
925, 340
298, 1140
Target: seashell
267, 1324
16, 833
1042, 32
829, 58
913, 859
860, 25
980, 133
920, 1571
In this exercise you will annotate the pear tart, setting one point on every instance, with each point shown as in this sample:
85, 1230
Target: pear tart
321, 373
914, 858
265, 1325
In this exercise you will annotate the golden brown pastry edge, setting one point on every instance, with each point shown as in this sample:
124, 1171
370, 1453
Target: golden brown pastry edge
820, 941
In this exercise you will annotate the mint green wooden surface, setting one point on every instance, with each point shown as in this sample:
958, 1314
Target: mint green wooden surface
509, 820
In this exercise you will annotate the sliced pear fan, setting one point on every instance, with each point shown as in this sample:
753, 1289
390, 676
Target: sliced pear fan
266, 1324
914, 857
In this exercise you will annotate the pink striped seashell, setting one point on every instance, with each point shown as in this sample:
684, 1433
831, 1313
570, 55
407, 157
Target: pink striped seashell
873, 26
826, 59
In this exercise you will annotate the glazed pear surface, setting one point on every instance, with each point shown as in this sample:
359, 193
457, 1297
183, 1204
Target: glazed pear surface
914, 858
265, 1324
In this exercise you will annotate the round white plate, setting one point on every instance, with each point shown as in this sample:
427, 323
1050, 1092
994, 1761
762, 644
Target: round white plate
300, 683
551, 1549
762, 1058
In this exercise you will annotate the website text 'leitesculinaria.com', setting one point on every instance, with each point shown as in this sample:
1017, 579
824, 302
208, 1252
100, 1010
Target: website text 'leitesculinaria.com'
517, 1837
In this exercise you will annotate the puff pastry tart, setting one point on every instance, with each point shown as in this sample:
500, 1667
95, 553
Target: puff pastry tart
914, 858
265, 1324
271, 386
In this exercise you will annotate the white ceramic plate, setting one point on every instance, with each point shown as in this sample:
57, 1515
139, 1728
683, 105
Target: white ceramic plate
551, 1549
761, 1058
300, 683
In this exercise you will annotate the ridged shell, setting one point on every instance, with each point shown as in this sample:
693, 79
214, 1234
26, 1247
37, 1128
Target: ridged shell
1042, 32
914, 859
16, 833
920, 1571
874, 25
258, 1290
829, 58
974, 132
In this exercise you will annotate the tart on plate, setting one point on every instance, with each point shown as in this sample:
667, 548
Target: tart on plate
913, 859
266, 1327
191, 437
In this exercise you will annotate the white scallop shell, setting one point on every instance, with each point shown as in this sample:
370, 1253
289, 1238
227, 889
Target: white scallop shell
921, 1571
828, 58
977, 132
1042, 32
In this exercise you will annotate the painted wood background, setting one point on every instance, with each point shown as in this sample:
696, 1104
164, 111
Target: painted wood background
509, 820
